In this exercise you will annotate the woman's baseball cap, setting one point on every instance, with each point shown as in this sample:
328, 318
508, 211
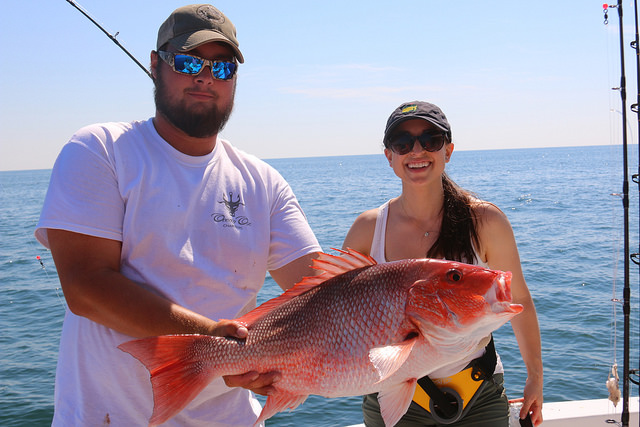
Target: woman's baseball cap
417, 110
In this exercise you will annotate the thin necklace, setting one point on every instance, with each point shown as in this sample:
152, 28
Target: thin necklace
426, 233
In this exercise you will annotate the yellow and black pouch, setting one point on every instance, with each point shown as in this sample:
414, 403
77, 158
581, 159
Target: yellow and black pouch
449, 399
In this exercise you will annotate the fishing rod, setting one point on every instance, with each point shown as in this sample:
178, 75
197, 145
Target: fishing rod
624, 420
636, 177
626, 307
112, 37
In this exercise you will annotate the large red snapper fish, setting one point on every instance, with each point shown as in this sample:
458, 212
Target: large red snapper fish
357, 328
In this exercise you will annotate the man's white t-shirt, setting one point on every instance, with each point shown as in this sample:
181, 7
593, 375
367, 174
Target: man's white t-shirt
201, 231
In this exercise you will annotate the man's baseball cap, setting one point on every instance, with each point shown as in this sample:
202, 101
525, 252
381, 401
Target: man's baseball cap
191, 26
417, 110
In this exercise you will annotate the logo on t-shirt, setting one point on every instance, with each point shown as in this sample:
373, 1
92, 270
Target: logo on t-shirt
232, 205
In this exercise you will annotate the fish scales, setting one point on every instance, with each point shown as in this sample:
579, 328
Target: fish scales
358, 328
299, 333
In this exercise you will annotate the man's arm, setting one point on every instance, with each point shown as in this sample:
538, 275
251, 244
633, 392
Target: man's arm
295, 271
89, 272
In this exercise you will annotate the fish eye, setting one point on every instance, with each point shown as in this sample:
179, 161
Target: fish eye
454, 275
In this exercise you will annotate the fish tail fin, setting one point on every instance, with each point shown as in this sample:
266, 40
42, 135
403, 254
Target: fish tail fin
176, 367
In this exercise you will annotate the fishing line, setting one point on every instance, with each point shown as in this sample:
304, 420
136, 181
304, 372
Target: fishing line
48, 278
111, 36
46, 272
617, 241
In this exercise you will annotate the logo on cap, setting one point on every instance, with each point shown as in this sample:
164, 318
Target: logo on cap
211, 14
409, 108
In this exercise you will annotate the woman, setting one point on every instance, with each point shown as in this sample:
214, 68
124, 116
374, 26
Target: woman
433, 217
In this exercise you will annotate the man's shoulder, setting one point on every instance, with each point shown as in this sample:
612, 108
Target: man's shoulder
242, 158
112, 128
108, 135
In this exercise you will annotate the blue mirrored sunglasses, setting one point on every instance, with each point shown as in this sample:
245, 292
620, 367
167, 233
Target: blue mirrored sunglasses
189, 64
403, 142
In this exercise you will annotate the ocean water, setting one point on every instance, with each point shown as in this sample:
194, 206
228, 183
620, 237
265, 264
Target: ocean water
563, 206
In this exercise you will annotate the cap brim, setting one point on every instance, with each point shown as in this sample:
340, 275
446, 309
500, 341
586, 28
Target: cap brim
395, 124
186, 42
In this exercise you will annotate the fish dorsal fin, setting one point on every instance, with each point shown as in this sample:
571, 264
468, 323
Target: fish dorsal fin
328, 265
389, 358
332, 265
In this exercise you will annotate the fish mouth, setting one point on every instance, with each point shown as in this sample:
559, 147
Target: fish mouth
499, 296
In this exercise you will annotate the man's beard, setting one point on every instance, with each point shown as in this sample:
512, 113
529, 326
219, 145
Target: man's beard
202, 123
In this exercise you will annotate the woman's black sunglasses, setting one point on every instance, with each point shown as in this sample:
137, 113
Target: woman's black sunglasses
403, 142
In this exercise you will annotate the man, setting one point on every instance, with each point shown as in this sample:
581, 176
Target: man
160, 227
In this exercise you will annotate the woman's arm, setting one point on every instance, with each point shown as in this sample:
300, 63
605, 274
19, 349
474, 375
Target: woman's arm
498, 248
360, 234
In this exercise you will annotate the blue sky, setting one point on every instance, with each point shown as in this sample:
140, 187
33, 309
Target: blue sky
321, 78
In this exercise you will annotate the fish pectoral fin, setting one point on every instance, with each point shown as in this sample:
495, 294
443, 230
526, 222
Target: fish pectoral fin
278, 402
394, 402
389, 358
